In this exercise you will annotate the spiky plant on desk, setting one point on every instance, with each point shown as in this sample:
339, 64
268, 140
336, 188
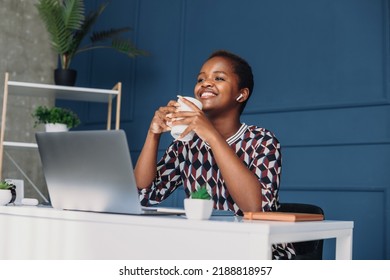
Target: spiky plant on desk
200, 205
7, 193
201, 193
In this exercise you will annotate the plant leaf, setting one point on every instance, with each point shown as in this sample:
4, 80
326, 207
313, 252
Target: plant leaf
127, 47
73, 14
98, 36
201, 193
80, 34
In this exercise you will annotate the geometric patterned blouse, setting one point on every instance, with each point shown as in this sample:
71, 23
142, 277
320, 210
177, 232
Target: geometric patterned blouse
192, 164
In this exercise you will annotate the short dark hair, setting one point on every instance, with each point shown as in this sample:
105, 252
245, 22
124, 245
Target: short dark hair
242, 69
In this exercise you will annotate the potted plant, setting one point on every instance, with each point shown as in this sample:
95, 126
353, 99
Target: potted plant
67, 25
55, 118
7, 193
199, 205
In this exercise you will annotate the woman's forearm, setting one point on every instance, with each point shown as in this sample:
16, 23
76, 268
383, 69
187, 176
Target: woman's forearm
242, 183
145, 168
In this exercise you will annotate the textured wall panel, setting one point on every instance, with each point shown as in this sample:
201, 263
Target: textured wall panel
25, 53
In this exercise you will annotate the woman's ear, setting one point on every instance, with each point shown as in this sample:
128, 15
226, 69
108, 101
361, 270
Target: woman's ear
243, 96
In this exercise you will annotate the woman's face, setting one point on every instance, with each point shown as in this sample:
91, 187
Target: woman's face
217, 85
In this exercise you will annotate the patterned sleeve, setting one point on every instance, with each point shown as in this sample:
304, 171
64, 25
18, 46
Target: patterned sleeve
166, 181
267, 164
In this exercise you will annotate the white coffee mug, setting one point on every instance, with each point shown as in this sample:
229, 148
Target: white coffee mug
178, 129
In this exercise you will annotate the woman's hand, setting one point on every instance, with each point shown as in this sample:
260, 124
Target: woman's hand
161, 120
195, 120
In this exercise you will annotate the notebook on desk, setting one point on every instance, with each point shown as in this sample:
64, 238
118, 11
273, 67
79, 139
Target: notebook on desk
283, 216
91, 171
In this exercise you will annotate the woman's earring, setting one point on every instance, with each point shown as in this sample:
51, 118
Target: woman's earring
239, 97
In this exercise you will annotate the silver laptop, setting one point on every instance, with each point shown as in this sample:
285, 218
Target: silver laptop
91, 171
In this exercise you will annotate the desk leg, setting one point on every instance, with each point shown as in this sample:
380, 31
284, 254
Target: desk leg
344, 246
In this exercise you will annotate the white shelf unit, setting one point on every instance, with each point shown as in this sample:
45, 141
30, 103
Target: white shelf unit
58, 92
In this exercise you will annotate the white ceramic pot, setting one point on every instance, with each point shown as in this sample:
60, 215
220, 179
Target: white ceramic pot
5, 197
198, 209
55, 127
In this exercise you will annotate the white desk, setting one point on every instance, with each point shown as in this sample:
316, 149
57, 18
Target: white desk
45, 233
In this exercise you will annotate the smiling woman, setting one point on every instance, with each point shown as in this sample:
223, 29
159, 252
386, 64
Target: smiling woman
239, 164
235, 74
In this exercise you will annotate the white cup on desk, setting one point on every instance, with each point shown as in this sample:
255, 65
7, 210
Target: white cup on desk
178, 129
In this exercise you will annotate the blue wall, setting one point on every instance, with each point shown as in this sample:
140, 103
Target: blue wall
321, 84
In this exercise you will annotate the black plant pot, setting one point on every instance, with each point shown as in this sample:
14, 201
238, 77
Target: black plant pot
65, 77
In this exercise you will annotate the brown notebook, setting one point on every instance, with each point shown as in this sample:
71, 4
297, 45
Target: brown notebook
283, 216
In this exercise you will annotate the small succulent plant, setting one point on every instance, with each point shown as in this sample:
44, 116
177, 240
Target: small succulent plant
4, 185
201, 193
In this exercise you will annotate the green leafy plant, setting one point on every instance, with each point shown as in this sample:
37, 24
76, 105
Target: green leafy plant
67, 25
201, 193
44, 115
4, 185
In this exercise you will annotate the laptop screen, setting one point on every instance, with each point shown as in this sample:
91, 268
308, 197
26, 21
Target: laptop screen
89, 170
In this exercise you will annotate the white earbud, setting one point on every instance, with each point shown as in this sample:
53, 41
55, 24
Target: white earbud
239, 97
